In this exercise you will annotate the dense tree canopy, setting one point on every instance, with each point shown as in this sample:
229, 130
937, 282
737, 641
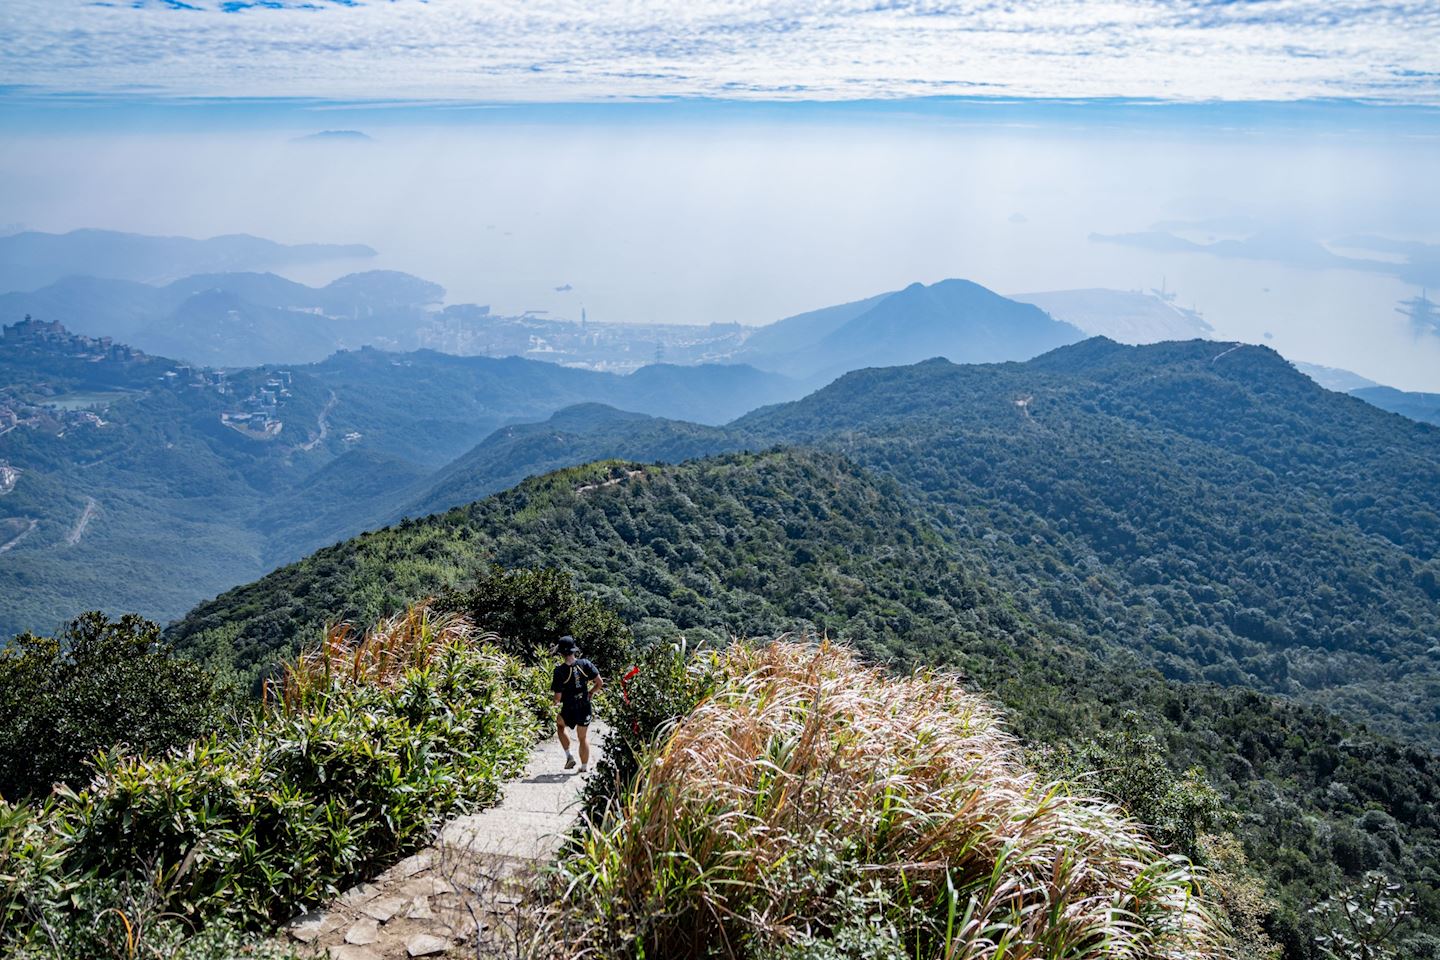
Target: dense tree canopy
99, 684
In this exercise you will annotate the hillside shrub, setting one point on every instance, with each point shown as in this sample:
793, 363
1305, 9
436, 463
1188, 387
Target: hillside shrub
528, 610
100, 684
1128, 766
364, 749
815, 807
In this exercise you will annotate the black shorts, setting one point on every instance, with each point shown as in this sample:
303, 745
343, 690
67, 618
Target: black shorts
576, 714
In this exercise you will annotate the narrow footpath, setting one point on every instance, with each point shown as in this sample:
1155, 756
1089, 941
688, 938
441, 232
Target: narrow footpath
458, 896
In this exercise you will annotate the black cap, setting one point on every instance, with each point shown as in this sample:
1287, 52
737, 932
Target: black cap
567, 644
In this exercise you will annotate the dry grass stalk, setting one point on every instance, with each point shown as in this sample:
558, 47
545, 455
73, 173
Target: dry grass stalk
810, 773
381, 657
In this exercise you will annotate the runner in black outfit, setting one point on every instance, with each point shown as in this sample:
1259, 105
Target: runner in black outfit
574, 682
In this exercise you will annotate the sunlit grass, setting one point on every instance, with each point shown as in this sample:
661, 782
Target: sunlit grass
815, 801
380, 657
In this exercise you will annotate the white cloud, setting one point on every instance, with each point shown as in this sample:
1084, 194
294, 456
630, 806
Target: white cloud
565, 50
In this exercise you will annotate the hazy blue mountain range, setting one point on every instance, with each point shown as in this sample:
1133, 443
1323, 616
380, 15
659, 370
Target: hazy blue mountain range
237, 319
31, 260
956, 319
793, 334
138, 483
1334, 378
1424, 407
249, 318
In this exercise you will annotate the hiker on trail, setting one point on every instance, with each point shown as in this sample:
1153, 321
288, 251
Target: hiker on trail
574, 682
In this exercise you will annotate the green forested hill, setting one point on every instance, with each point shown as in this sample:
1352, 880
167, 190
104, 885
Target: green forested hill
575, 435
131, 494
741, 544
1202, 505
756, 543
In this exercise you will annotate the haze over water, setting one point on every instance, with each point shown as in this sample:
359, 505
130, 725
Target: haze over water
718, 162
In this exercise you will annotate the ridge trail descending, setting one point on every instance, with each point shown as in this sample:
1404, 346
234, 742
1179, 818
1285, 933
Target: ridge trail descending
459, 895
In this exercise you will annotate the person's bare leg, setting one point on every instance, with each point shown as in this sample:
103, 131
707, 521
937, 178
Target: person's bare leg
560, 732
583, 735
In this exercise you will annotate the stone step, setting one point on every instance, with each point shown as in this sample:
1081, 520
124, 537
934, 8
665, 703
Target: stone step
455, 896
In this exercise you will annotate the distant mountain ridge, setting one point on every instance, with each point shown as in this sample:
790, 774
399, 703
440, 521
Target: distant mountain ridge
31, 260
1424, 407
236, 319
228, 313
956, 319
213, 477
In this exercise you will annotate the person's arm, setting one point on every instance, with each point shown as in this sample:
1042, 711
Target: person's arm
555, 689
597, 682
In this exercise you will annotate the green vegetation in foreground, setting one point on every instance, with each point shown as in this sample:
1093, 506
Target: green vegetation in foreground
761, 544
99, 685
361, 753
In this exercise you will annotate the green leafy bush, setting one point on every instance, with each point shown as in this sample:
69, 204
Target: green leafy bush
530, 609
127, 919
100, 684
32, 864
365, 749
1128, 765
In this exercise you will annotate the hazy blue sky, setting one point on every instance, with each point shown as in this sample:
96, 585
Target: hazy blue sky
1274, 162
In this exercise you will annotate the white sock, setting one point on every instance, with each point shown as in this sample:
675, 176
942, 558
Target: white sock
569, 755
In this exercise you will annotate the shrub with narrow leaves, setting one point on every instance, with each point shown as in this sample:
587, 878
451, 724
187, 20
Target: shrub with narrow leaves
372, 744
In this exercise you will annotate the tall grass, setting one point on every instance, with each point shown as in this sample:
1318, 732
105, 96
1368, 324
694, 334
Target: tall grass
380, 657
813, 806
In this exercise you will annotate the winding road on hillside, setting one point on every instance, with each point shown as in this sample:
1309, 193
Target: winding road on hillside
462, 891
86, 515
324, 422
20, 536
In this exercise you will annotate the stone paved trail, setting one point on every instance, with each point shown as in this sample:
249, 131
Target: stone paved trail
456, 897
